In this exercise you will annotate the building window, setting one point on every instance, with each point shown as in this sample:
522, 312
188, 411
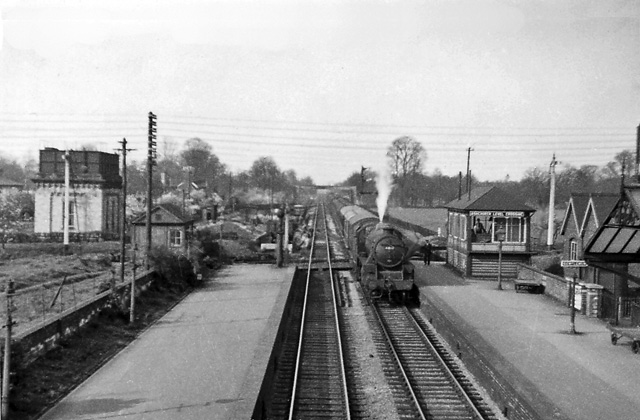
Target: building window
513, 228
573, 250
175, 237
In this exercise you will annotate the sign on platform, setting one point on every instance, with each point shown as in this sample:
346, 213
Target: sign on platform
573, 263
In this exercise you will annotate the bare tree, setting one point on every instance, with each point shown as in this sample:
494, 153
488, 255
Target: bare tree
406, 157
406, 160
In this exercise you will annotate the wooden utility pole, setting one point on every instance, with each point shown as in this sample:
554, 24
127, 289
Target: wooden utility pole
469, 149
552, 202
151, 157
65, 210
123, 225
6, 370
123, 230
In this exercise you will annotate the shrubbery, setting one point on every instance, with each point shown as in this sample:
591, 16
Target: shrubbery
174, 269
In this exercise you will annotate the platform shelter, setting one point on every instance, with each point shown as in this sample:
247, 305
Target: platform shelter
484, 225
614, 254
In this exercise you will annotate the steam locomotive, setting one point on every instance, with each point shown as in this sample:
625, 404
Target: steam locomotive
381, 252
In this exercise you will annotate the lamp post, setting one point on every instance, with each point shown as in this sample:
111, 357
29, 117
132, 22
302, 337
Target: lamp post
500, 239
572, 326
279, 251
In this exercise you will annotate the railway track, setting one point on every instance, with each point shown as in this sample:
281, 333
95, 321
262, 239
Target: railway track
426, 380
312, 379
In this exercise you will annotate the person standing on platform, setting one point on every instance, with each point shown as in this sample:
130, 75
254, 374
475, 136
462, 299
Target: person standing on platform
426, 253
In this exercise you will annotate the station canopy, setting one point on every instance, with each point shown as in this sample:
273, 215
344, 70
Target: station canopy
618, 239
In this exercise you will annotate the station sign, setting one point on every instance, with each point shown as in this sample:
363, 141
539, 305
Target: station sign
497, 213
573, 263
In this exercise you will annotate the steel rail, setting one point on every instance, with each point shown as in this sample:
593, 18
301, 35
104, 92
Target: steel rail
304, 311
453, 377
399, 363
337, 321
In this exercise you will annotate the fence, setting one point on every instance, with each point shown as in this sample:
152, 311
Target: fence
37, 304
37, 336
625, 308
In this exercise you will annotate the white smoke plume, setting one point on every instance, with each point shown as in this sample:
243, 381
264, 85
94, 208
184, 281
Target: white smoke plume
384, 185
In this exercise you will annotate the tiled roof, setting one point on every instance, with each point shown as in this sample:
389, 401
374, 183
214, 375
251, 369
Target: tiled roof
172, 209
580, 203
603, 204
576, 209
488, 198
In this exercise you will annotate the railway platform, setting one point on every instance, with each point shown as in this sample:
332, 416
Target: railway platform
203, 360
519, 347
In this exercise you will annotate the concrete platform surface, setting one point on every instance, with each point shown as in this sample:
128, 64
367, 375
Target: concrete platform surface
525, 337
204, 360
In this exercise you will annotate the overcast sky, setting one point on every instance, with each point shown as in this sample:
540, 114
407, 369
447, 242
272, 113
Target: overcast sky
325, 86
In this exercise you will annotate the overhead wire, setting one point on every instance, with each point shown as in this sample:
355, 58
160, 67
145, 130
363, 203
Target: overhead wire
296, 141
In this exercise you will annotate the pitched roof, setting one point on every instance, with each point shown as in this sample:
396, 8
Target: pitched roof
603, 204
488, 198
172, 209
576, 210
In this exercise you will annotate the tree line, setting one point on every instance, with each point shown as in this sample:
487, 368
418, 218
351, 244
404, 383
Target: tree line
264, 182
413, 187
196, 167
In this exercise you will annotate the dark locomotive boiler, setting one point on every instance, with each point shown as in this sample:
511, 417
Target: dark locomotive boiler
387, 269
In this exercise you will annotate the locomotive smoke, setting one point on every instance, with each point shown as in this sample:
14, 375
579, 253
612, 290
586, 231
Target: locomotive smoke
384, 186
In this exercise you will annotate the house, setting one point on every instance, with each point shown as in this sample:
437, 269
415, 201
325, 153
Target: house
170, 228
483, 225
95, 195
585, 213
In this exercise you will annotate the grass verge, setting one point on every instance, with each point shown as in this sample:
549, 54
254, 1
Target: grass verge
42, 383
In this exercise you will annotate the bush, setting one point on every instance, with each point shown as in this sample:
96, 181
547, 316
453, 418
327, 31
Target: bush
556, 269
175, 269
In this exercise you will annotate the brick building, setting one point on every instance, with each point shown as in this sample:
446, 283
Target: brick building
94, 198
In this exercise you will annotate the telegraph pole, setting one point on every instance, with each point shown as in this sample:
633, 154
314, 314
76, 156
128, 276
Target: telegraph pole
151, 160
469, 149
6, 369
552, 204
123, 226
65, 211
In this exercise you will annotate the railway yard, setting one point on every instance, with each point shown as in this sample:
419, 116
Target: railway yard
308, 341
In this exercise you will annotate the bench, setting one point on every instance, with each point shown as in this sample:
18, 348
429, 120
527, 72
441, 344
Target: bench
530, 286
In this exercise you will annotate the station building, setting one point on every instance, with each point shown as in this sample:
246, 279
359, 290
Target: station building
94, 198
613, 256
483, 225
